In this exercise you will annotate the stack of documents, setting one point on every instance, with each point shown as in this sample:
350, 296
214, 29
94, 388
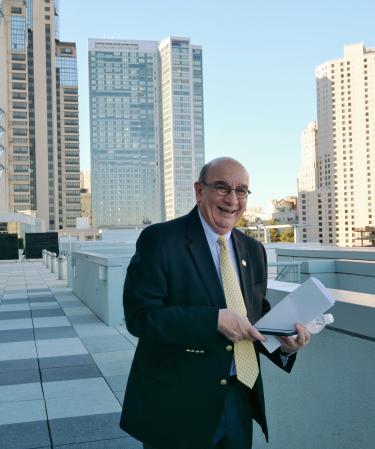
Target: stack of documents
302, 305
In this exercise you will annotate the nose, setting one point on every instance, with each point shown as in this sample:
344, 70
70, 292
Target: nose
231, 197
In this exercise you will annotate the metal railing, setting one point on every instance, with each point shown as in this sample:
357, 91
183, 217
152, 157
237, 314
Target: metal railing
285, 271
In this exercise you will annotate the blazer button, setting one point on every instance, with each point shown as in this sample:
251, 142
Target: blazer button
223, 382
229, 347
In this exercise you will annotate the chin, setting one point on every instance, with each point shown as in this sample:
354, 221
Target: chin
225, 227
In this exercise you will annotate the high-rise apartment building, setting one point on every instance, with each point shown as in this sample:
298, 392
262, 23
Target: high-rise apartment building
308, 186
39, 153
147, 141
345, 149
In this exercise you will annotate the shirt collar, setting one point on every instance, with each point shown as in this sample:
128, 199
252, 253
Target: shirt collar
211, 235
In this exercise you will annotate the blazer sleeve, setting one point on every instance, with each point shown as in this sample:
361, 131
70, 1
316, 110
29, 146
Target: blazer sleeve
150, 313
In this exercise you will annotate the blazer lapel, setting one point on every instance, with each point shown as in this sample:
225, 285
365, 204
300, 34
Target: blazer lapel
245, 271
201, 255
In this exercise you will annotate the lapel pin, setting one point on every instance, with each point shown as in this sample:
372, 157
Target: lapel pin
243, 262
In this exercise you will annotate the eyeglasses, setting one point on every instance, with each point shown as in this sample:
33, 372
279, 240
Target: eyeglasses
223, 189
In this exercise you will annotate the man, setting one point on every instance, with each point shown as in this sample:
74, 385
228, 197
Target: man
191, 385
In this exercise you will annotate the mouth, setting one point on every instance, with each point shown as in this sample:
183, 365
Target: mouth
228, 211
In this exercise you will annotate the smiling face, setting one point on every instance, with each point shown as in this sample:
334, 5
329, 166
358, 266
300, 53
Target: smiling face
222, 212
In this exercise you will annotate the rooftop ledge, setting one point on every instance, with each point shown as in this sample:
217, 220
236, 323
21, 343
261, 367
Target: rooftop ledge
354, 312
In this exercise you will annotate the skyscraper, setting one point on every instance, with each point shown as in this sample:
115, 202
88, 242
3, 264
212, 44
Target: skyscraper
182, 119
345, 148
125, 132
40, 145
147, 142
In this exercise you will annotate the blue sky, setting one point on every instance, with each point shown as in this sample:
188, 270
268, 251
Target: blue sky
259, 59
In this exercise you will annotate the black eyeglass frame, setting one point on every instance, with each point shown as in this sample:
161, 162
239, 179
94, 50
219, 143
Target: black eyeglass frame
225, 189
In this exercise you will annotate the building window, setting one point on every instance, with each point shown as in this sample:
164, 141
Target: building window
18, 32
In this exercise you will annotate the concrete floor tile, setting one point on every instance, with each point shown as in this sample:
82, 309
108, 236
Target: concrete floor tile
83, 405
15, 290
38, 289
43, 294
76, 311
13, 307
60, 346
16, 335
51, 321
120, 396
22, 376
84, 319
71, 388
106, 343
117, 383
123, 331
50, 312
70, 373
25, 436
62, 361
14, 301
44, 305
21, 392
39, 300
22, 411
24, 323
72, 301
117, 443
55, 332
18, 295
22, 314
19, 365
114, 363
17, 350
86, 428
96, 329
63, 290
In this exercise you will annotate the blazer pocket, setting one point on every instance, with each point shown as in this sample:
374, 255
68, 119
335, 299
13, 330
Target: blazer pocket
164, 373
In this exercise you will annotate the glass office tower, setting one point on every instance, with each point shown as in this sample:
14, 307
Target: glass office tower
125, 139
147, 133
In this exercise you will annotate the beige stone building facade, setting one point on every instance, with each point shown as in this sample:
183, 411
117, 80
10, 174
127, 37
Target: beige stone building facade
344, 194
39, 153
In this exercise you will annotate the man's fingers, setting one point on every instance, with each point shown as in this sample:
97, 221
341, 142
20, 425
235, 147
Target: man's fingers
237, 327
303, 336
292, 344
255, 334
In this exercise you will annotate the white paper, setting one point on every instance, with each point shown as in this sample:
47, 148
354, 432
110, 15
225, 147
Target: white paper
302, 305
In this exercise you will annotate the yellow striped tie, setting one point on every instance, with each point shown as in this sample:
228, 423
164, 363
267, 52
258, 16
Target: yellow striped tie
244, 353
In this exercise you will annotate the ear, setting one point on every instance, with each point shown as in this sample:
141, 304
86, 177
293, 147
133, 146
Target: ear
198, 191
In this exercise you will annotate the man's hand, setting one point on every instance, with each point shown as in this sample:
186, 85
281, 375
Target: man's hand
236, 327
296, 342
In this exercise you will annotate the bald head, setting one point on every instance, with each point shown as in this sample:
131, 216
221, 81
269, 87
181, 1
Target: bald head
217, 162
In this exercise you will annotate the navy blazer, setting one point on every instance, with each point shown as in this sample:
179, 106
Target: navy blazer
172, 296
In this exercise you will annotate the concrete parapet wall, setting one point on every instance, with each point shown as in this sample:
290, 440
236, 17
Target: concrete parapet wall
340, 273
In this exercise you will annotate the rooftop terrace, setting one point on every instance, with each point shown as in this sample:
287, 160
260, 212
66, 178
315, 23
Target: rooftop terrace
63, 371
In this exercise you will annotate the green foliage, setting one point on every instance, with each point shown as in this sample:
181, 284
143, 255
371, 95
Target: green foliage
242, 222
274, 235
287, 235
